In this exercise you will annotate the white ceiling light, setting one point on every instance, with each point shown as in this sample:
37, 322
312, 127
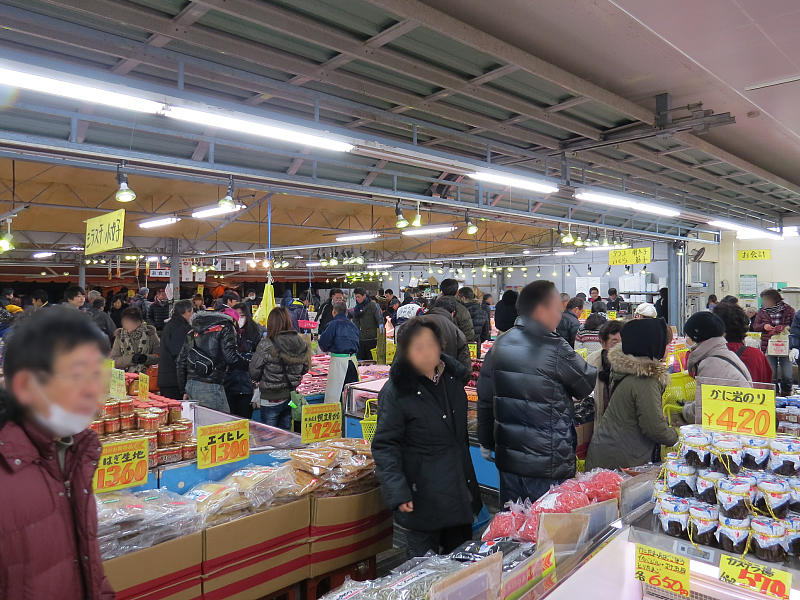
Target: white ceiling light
314, 264
621, 200
214, 211
44, 254
432, 230
745, 232
380, 266
358, 237
217, 119
790, 231
542, 186
605, 248
564, 252
160, 222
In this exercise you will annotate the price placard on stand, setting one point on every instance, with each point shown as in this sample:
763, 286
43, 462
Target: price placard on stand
748, 411
473, 350
122, 465
662, 570
321, 422
144, 387
612, 315
223, 443
769, 581
118, 390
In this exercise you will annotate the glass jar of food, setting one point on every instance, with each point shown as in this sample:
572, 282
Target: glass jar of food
126, 407
681, 479
182, 433
674, 515
785, 456
110, 409
756, 453
726, 453
707, 485
174, 413
189, 451
147, 421
774, 498
792, 535
695, 450
703, 520
112, 425
732, 534
127, 423
768, 539
733, 496
166, 435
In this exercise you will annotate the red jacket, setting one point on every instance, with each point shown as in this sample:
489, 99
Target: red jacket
755, 361
48, 522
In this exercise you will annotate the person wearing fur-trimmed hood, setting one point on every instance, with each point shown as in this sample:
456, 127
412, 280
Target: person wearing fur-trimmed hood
633, 426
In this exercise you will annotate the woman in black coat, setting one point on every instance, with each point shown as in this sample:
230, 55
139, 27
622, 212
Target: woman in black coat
505, 311
238, 385
421, 445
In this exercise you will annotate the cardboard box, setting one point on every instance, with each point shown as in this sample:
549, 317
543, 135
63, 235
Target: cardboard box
257, 555
168, 571
584, 433
347, 529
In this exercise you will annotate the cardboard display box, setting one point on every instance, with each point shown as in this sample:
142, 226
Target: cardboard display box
257, 555
347, 529
168, 571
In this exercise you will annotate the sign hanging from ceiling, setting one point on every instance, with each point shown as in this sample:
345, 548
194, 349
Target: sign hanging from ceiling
105, 232
630, 256
159, 272
764, 254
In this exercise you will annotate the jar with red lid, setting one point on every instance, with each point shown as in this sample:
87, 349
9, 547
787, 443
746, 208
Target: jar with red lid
182, 433
189, 450
152, 441
110, 409
125, 407
127, 423
111, 425
166, 435
147, 421
175, 412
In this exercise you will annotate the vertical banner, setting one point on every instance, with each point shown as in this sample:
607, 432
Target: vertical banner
186, 269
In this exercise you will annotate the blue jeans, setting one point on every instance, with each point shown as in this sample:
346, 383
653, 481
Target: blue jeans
210, 395
781, 373
277, 414
513, 487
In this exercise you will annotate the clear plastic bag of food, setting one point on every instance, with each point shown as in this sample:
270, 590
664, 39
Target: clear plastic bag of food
354, 445
285, 482
601, 484
317, 460
507, 523
473, 551
248, 476
215, 499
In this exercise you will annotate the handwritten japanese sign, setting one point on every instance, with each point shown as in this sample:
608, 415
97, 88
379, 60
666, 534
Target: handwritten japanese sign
144, 387
749, 411
105, 232
321, 422
762, 579
662, 570
118, 389
223, 443
612, 315
764, 254
631, 256
121, 465
473, 350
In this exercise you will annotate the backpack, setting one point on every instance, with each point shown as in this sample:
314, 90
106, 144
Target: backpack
201, 364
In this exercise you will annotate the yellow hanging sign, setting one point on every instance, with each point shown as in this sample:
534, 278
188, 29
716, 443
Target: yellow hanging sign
612, 315
630, 256
662, 570
105, 232
144, 387
118, 389
763, 254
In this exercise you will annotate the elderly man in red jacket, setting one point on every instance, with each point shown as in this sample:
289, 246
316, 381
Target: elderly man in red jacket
48, 522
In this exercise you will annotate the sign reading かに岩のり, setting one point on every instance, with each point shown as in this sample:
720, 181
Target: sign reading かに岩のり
105, 232
631, 256
764, 254
749, 411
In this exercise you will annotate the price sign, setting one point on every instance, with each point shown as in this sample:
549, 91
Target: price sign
473, 350
144, 387
765, 254
108, 363
122, 465
612, 315
118, 389
662, 570
748, 411
630, 256
768, 581
223, 443
321, 422
585, 314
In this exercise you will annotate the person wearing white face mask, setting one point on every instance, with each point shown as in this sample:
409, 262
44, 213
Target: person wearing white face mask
238, 385
54, 387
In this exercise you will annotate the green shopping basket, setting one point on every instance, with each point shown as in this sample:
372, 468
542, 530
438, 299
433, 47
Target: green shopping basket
370, 420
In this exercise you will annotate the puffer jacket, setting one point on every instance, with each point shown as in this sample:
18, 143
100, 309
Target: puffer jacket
158, 314
279, 364
525, 401
237, 379
422, 452
213, 338
172, 339
49, 520
142, 340
634, 414
480, 320
568, 327
464, 320
452, 338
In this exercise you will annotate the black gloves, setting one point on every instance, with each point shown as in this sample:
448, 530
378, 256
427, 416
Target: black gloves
139, 359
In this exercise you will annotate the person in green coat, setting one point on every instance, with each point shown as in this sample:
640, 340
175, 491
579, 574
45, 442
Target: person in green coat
633, 426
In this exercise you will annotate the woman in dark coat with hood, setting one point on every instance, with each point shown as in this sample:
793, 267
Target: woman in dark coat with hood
421, 445
505, 311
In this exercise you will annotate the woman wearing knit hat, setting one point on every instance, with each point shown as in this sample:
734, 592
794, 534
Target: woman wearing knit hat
633, 426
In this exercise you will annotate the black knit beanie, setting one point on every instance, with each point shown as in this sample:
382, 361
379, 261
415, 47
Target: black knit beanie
703, 326
645, 337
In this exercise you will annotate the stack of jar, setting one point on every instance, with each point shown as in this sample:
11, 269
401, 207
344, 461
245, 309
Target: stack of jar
735, 492
169, 436
787, 414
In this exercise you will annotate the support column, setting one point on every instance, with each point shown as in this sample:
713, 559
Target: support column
82, 273
677, 291
175, 269
501, 284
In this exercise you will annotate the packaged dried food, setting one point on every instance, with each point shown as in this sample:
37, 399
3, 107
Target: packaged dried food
695, 450
248, 476
732, 534
768, 539
726, 454
674, 515
473, 551
216, 498
792, 524
316, 460
733, 496
707, 485
355, 445
703, 520
601, 484
166, 436
774, 497
785, 456
681, 479
285, 482
756, 453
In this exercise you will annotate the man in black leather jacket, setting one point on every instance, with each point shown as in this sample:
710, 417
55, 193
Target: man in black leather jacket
210, 348
525, 398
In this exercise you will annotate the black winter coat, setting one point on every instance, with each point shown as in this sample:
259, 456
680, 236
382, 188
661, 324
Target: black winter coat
568, 328
504, 315
279, 364
172, 339
480, 320
422, 451
525, 406
325, 316
237, 379
158, 314
213, 336
453, 341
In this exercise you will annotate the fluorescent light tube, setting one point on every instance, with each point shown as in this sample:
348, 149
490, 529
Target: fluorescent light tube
76, 91
254, 127
314, 264
44, 254
214, 211
357, 237
744, 231
564, 253
380, 266
522, 183
624, 201
604, 248
429, 230
158, 222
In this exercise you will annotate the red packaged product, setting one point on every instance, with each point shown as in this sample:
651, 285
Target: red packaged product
505, 524
602, 484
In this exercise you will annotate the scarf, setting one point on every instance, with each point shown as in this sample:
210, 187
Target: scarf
774, 311
604, 373
359, 307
